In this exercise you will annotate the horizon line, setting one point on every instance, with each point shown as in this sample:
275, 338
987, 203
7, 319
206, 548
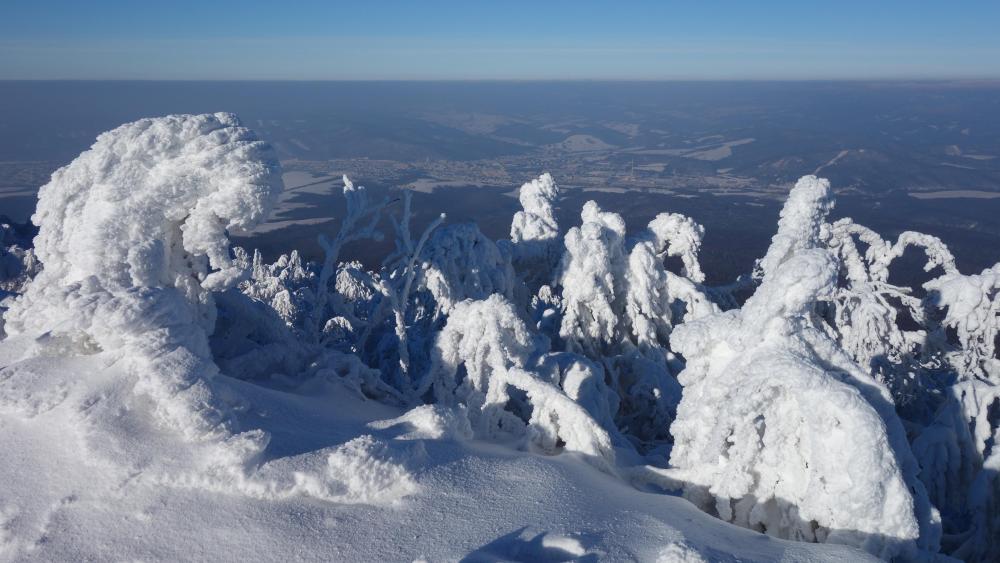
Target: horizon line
924, 79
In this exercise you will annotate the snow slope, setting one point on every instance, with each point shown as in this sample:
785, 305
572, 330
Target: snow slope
86, 476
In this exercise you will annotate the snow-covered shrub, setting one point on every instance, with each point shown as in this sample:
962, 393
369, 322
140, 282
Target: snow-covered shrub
456, 262
287, 286
483, 357
257, 327
459, 262
327, 309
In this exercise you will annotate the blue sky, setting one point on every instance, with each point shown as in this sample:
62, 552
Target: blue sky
255, 39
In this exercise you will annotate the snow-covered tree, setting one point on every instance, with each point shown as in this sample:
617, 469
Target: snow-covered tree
780, 431
618, 304
534, 231
592, 278
800, 224
958, 449
132, 238
972, 305
459, 262
655, 293
492, 348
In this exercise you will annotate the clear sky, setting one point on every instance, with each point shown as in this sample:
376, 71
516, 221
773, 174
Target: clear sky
471, 39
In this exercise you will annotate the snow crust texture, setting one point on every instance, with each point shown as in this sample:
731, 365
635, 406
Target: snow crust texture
810, 400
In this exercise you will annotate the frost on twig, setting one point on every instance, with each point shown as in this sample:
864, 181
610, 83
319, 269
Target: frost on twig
360, 223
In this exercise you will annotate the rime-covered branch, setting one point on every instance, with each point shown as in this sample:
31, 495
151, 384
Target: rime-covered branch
401, 298
361, 222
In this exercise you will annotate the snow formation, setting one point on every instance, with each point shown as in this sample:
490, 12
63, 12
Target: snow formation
574, 383
132, 236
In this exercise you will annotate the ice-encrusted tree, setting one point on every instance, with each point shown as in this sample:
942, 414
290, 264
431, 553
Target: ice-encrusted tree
592, 279
785, 433
459, 262
483, 357
657, 299
779, 429
972, 310
959, 449
534, 231
937, 356
800, 224
132, 237
618, 304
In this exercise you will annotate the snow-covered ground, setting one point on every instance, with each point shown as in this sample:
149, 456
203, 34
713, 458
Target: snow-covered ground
85, 479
